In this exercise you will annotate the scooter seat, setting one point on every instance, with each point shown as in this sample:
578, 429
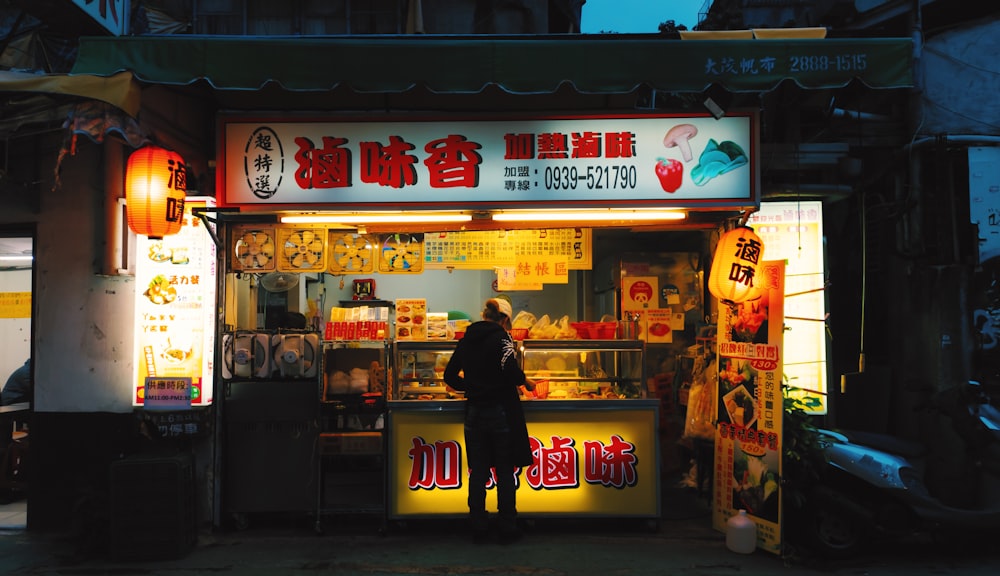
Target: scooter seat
886, 443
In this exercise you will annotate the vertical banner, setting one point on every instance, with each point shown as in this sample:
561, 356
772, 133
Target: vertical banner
750, 409
175, 308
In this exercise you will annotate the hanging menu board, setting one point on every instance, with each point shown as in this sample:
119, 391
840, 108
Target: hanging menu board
485, 250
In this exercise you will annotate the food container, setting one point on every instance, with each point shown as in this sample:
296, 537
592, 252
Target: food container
519, 333
628, 329
596, 330
607, 330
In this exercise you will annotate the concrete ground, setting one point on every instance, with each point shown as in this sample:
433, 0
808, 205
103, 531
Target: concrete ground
681, 543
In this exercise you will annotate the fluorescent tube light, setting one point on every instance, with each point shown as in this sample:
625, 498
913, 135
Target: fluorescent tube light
374, 218
588, 215
9, 258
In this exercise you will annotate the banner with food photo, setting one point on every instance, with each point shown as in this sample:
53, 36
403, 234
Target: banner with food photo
750, 410
174, 293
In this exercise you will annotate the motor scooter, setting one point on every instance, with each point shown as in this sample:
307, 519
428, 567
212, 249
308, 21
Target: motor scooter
876, 485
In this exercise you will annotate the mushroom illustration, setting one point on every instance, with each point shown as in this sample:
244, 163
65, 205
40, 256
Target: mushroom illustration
678, 136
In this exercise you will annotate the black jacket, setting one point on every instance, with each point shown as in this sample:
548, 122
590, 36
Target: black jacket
491, 374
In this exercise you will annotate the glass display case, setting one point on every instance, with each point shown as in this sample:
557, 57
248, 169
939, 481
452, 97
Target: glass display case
563, 369
585, 369
418, 370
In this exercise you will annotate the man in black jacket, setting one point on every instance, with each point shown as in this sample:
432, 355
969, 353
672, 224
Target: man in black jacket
19, 385
485, 367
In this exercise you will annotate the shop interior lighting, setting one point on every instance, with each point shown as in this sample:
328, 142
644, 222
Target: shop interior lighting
375, 218
588, 215
16, 258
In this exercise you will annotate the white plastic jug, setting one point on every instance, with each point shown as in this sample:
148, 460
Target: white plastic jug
741, 533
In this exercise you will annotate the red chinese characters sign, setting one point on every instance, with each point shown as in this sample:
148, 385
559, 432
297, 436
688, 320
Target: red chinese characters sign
485, 163
585, 462
611, 463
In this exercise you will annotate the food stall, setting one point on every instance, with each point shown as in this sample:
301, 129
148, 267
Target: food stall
591, 428
383, 238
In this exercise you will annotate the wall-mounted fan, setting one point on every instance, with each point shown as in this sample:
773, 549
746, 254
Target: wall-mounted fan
276, 282
301, 250
246, 355
401, 253
351, 254
296, 355
254, 250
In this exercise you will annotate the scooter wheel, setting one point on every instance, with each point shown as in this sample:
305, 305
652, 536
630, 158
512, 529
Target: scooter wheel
836, 532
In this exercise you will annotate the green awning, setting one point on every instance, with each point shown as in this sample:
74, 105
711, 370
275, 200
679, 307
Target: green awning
593, 64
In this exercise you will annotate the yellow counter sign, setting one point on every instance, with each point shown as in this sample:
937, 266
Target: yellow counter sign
587, 462
15, 304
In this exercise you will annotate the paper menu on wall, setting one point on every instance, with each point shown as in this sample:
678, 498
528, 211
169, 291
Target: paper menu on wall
411, 319
660, 325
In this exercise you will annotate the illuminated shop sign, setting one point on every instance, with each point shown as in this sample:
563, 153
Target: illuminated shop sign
590, 462
665, 160
612, 463
174, 330
793, 232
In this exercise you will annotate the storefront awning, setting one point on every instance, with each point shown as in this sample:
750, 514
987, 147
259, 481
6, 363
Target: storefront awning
118, 89
594, 64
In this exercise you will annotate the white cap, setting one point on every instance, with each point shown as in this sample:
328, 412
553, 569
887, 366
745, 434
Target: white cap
504, 306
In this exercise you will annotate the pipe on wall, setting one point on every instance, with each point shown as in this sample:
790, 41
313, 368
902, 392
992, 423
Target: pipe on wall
115, 230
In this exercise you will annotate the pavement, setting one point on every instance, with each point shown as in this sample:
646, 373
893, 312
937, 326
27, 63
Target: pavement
682, 542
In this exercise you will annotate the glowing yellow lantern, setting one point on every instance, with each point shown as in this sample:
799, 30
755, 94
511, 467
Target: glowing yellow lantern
155, 187
734, 266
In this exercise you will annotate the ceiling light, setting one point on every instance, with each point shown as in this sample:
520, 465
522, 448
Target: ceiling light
374, 218
589, 215
18, 258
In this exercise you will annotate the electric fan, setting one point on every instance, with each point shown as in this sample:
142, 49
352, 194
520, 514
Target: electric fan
351, 254
301, 250
401, 253
276, 282
254, 250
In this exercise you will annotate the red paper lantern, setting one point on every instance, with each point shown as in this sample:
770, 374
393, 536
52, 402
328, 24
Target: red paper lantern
155, 187
734, 266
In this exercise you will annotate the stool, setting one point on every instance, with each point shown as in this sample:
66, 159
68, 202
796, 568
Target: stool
14, 465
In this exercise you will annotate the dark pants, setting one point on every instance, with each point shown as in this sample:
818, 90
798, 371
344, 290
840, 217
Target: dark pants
488, 445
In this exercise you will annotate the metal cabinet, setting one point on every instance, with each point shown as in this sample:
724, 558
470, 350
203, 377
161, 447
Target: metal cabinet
270, 435
350, 467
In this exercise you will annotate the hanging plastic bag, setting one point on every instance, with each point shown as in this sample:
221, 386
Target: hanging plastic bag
700, 419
